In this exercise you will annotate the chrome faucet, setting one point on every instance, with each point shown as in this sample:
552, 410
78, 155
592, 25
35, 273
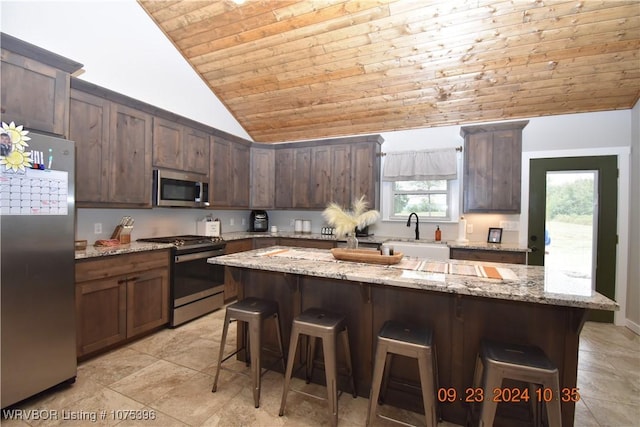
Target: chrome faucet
417, 224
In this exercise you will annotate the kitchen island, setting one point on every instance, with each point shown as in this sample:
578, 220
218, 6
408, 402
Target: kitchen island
520, 306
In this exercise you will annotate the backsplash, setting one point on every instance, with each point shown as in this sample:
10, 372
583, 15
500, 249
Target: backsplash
154, 222
173, 221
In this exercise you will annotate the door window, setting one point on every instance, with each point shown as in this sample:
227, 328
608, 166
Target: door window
570, 229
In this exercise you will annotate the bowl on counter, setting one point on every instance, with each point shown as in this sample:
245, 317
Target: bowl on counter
80, 245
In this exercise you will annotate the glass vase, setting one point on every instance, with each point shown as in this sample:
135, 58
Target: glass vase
352, 242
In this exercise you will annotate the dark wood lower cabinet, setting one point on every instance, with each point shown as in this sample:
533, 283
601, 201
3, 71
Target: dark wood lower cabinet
101, 313
509, 257
119, 297
459, 323
308, 243
265, 242
147, 301
230, 280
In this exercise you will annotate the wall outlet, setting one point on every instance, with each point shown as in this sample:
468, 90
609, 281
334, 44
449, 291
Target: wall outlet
232, 221
97, 228
244, 221
469, 228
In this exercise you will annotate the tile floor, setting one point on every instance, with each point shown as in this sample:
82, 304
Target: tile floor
171, 373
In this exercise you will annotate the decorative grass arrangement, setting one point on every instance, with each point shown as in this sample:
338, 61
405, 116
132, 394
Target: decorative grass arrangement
345, 222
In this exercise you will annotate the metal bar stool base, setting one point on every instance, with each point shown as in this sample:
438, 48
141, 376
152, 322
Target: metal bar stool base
251, 312
318, 323
399, 338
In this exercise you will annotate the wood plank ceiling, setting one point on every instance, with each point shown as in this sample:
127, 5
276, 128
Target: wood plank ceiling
293, 70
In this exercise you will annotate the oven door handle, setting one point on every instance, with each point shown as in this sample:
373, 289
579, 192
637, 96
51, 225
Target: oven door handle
198, 255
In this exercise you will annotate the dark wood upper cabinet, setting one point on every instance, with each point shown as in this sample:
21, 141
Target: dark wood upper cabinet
241, 162
130, 173
262, 177
89, 128
113, 146
219, 190
167, 144
196, 151
284, 177
119, 140
365, 171
312, 174
229, 182
35, 86
301, 177
492, 167
340, 191
180, 147
320, 183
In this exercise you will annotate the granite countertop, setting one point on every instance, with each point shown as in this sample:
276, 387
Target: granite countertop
93, 252
511, 247
531, 284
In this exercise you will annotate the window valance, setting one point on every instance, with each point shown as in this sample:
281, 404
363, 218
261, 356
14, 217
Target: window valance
420, 165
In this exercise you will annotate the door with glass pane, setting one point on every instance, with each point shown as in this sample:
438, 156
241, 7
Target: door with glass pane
572, 224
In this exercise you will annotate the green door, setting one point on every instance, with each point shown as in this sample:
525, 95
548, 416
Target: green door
573, 208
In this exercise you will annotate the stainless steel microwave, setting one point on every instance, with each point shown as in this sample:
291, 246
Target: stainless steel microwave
179, 189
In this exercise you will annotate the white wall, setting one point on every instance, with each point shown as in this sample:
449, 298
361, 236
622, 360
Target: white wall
122, 49
154, 222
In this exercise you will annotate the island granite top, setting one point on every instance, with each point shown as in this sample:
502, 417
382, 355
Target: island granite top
522, 283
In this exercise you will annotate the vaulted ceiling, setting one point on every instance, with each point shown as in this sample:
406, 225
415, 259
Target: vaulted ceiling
292, 70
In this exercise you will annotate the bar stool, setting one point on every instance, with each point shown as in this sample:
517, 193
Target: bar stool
529, 364
399, 338
252, 312
318, 323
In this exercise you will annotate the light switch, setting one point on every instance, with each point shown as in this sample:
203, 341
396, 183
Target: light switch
469, 228
232, 221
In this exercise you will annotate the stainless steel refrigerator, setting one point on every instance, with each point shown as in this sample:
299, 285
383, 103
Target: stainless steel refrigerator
37, 220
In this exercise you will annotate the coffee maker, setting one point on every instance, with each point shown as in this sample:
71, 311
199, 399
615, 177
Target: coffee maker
259, 221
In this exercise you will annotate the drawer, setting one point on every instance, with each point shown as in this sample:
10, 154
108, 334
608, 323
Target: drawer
119, 265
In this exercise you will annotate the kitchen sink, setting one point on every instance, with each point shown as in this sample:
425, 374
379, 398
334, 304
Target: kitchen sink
437, 251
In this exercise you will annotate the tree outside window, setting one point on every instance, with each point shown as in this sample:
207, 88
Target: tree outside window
429, 199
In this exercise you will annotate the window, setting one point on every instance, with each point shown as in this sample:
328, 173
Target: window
429, 199
424, 182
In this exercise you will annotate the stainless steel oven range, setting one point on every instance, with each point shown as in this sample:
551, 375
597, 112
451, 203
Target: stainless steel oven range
196, 286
